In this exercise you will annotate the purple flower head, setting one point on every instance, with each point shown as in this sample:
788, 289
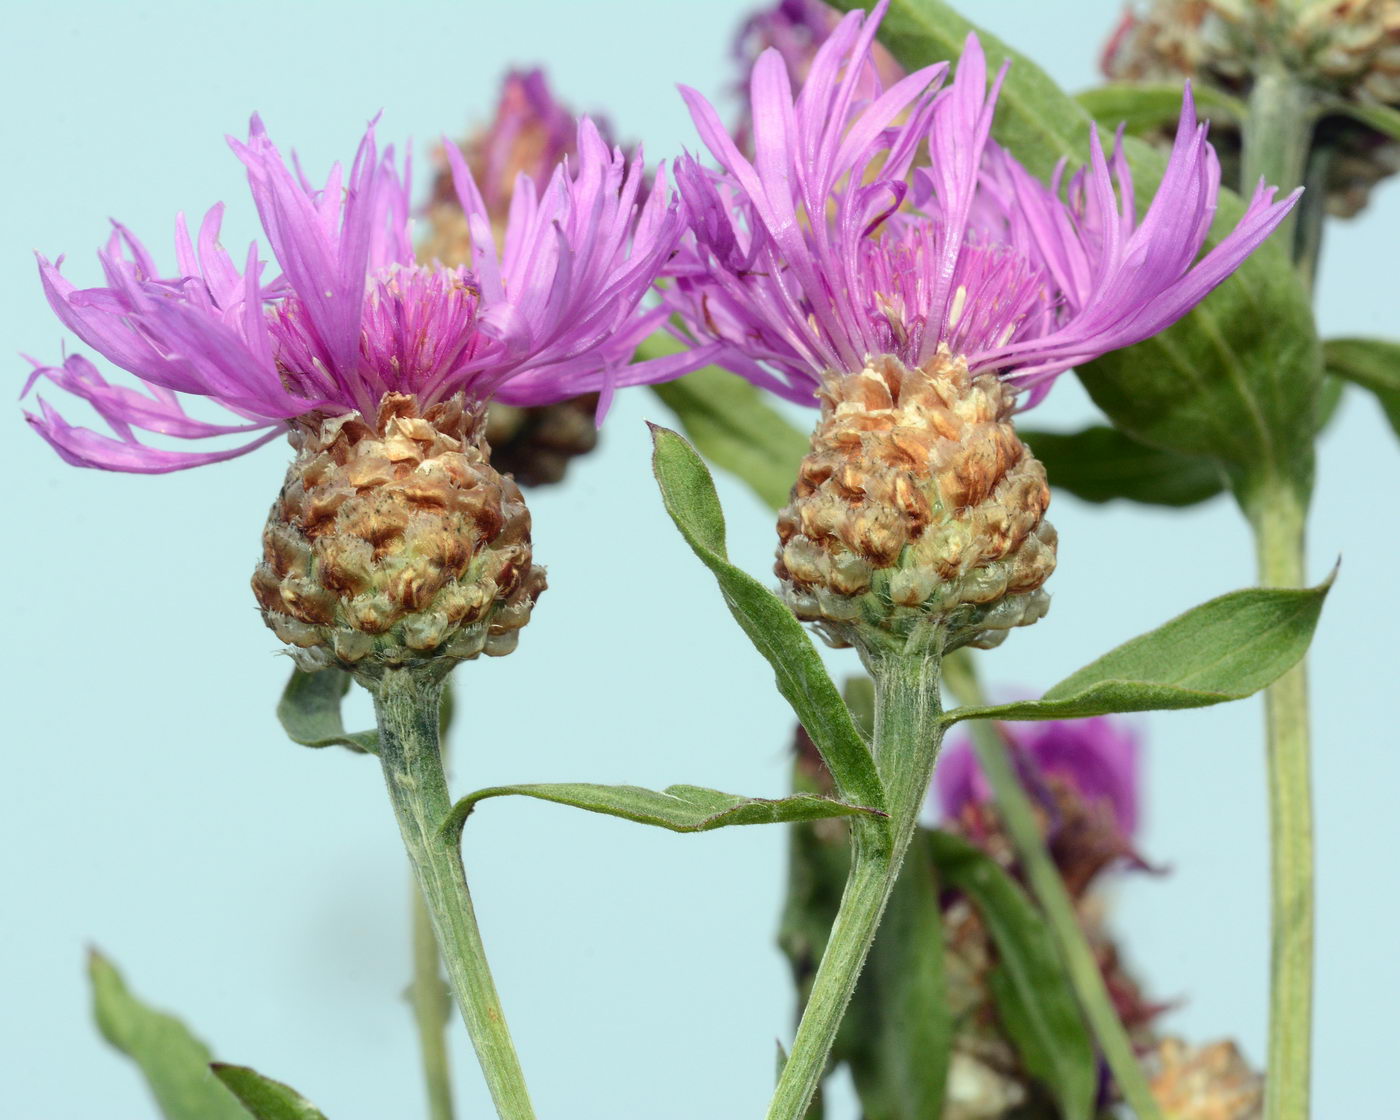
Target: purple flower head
1095, 758
555, 312
876, 220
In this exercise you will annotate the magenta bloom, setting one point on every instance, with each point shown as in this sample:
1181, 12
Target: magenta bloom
1096, 758
873, 223
555, 313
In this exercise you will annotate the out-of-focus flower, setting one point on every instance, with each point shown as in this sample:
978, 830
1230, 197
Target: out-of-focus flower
393, 538
915, 299
1349, 49
1211, 1082
531, 134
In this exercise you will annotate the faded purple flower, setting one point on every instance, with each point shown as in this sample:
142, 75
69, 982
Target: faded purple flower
1096, 758
553, 313
872, 223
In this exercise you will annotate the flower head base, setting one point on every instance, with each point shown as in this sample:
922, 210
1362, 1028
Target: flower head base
917, 507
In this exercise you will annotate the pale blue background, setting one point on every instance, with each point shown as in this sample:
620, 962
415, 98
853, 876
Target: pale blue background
151, 806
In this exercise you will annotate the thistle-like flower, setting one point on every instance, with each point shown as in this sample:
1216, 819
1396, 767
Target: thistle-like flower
916, 296
393, 540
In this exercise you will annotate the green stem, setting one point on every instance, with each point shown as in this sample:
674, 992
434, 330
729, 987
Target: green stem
432, 1007
1018, 815
905, 743
407, 710
1279, 519
1278, 131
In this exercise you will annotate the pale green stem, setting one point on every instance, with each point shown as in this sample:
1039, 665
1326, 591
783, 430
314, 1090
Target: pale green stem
407, 711
1279, 520
1018, 815
905, 743
432, 1007
1278, 131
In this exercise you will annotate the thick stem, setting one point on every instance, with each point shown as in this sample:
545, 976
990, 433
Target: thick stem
1278, 132
432, 1007
1278, 519
1018, 815
407, 710
906, 740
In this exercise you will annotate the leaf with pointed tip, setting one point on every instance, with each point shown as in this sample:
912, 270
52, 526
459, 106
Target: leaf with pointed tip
309, 711
1146, 108
1225, 649
1031, 990
174, 1062
732, 423
688, 492
1238, 377
264, 1098
678, 808
1099, 464
1372, 363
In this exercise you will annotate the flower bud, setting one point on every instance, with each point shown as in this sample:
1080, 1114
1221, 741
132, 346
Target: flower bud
918, 504
536, 445
396, 544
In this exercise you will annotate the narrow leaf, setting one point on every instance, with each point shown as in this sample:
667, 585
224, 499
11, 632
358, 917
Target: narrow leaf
175, 1063
1225, 649
689, 496
264, 1098
730, 421
678, 808
902, 1030
1373, 364
1146, 108
1032, 992
1382, 118
310, 712
1099, 464
1238, 377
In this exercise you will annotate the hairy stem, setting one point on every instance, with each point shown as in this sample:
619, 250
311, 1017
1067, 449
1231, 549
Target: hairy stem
1278, 131
1018, 815
407, 710
1278, 519
432, 1007
906, 739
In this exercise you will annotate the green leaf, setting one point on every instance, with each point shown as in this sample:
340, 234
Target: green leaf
1382, 118
310, 712
678, 808
1030, 987
901, 1031
688, 492
1373, 364
1225, 649
1099, 464
1145, 108
1238, 377
175, 1063
264, 1098
732, 424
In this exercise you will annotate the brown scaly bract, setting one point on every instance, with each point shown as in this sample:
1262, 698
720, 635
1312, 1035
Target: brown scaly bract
918, 501
1206, 1082
396, 544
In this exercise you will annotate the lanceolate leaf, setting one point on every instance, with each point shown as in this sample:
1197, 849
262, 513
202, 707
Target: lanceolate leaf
1100, 463
264, 1098
310, 712
1032, 992
1146, 108
1373, 364
1225, 649
175, 1063
689, 495
1238, 377
730, 421
678, 808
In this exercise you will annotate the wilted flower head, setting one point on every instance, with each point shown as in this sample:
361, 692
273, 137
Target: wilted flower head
552, 313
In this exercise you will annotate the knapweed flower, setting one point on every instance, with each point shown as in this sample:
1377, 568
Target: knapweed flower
1081, 774
393, 539
1347, 50
883, 254
530, 135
